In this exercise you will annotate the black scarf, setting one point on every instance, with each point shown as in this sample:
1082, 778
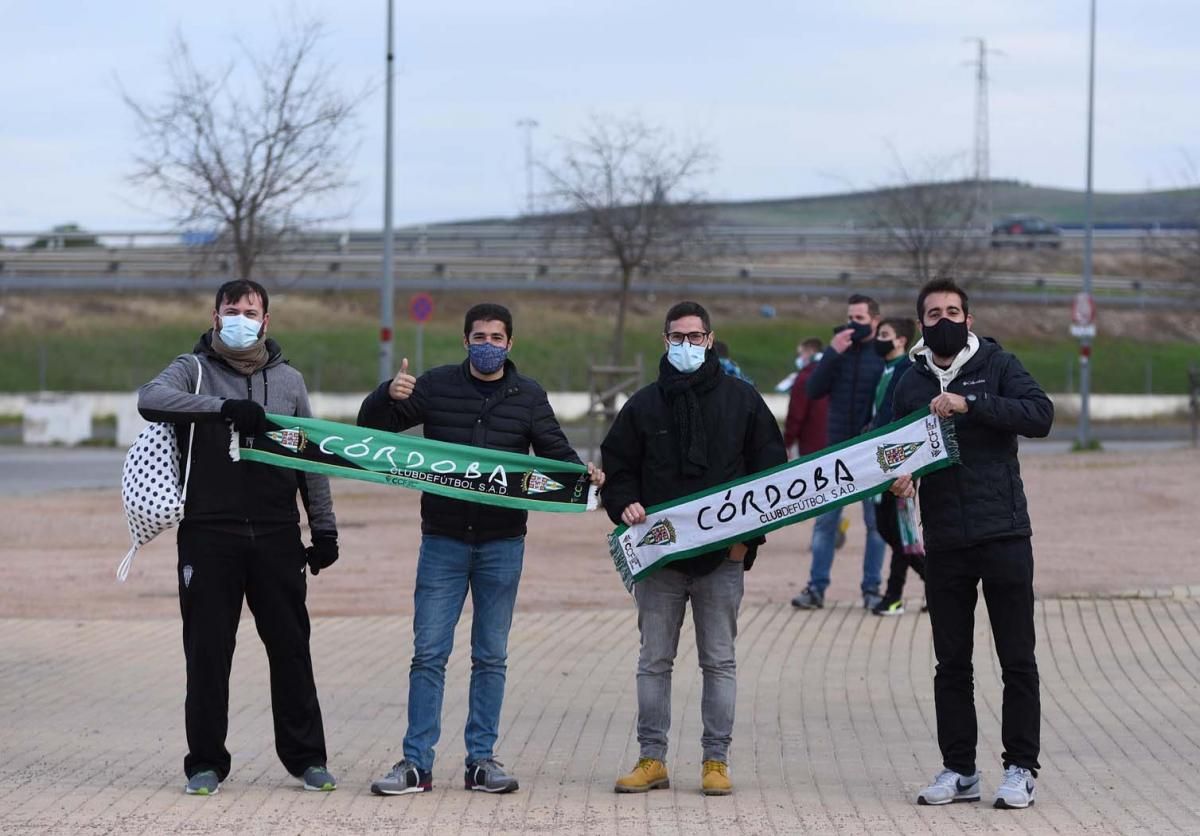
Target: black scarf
682, 391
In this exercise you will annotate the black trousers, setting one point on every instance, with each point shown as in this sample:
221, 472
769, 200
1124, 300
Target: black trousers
951, 581
887, 521
216, 571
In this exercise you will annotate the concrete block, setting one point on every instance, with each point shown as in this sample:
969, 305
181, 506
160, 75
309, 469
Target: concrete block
56, 419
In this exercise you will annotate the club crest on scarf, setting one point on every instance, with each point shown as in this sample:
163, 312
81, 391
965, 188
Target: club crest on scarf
661, 533
535, 482
891, 456
293, 439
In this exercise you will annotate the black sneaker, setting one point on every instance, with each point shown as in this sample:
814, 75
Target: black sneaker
488, 775
402, 780
809, 599
889, 606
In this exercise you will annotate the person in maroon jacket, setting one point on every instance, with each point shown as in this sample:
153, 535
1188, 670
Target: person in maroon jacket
807, 424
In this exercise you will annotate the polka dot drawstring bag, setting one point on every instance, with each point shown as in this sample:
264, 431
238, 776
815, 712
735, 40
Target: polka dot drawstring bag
151, 488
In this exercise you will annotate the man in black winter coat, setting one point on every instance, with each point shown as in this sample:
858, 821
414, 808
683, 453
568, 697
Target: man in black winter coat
976, 526
848, 374
691, 430
240, 537
483, 402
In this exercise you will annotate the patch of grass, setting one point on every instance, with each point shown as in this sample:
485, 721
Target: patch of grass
554, 346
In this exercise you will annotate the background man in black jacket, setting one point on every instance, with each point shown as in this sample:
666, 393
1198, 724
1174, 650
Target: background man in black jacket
976, 525
848, 373
240, 537
482, 402
691, 430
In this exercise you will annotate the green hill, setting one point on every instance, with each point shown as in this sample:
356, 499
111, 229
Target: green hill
1009, 197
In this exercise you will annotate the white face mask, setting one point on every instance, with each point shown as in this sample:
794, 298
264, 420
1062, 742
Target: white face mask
239, 331
687, 357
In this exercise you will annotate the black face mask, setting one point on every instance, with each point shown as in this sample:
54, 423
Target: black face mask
884, 347
860, 330
945, 338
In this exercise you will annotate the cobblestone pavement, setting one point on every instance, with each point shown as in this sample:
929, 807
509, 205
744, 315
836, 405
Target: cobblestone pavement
835, 728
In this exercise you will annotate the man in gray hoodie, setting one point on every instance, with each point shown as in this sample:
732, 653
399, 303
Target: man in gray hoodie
240, 537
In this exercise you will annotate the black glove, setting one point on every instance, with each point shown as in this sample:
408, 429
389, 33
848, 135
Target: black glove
248, 417
322, 554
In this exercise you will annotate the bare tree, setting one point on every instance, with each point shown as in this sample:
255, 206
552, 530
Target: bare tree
932, 224
252, 165
629, 192
1177, 251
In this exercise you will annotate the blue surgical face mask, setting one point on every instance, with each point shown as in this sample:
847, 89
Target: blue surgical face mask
687, 357
487, 358
239, 331
801, 362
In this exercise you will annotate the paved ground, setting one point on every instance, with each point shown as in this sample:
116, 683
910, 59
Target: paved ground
834, 730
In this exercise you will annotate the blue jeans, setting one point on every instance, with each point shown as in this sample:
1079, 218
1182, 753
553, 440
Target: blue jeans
824, 534
446, 568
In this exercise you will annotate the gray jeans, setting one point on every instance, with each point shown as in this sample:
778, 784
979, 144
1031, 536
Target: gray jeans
661, 601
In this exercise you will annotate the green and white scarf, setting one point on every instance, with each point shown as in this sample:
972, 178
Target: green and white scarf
459, 471
746, 508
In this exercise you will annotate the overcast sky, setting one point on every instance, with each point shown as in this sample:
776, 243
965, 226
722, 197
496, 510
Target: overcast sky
796, 97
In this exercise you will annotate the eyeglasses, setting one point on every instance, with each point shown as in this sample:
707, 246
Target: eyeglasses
694, 337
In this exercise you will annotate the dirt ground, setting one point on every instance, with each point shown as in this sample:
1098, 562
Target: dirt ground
1103, 522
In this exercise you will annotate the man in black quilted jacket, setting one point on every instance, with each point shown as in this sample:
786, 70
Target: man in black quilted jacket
483, 402
848, 374
976, 526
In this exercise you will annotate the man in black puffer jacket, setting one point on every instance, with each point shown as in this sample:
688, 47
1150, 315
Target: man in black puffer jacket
691, 430
482, 402
976, 526
848, 373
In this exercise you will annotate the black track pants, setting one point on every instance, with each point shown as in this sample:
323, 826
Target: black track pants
216, 571
951, 581
887, 522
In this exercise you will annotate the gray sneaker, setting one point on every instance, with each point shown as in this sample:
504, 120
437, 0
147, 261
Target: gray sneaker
871, 599
404, 778
1016, 791
203, 783
809, 599
318, 779
488, 775
949, 787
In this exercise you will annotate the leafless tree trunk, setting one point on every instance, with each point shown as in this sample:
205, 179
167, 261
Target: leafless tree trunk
931, 223
628, 192
251, 165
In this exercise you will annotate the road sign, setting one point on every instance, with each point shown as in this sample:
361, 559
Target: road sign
1083, 310
420, 307
1083, 316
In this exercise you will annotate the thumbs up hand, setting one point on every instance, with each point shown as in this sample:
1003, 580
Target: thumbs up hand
402, 384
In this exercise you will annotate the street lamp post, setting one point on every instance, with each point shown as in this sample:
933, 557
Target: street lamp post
387, 290
1085, 339
528, 125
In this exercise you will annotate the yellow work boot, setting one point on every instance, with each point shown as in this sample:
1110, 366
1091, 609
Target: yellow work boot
714, 778
649, 774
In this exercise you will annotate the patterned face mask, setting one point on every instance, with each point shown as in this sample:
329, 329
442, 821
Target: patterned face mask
487, 358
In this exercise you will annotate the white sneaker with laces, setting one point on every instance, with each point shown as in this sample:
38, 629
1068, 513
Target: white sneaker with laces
1016, 791
949, 787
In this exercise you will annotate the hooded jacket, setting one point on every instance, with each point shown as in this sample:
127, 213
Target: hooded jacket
450, 407
240, 497
982, 498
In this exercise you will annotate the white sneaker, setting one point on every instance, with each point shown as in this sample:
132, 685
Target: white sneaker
1016, 792
949, 787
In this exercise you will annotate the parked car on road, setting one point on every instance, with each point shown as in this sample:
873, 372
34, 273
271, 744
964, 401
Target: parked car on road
1027, 231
